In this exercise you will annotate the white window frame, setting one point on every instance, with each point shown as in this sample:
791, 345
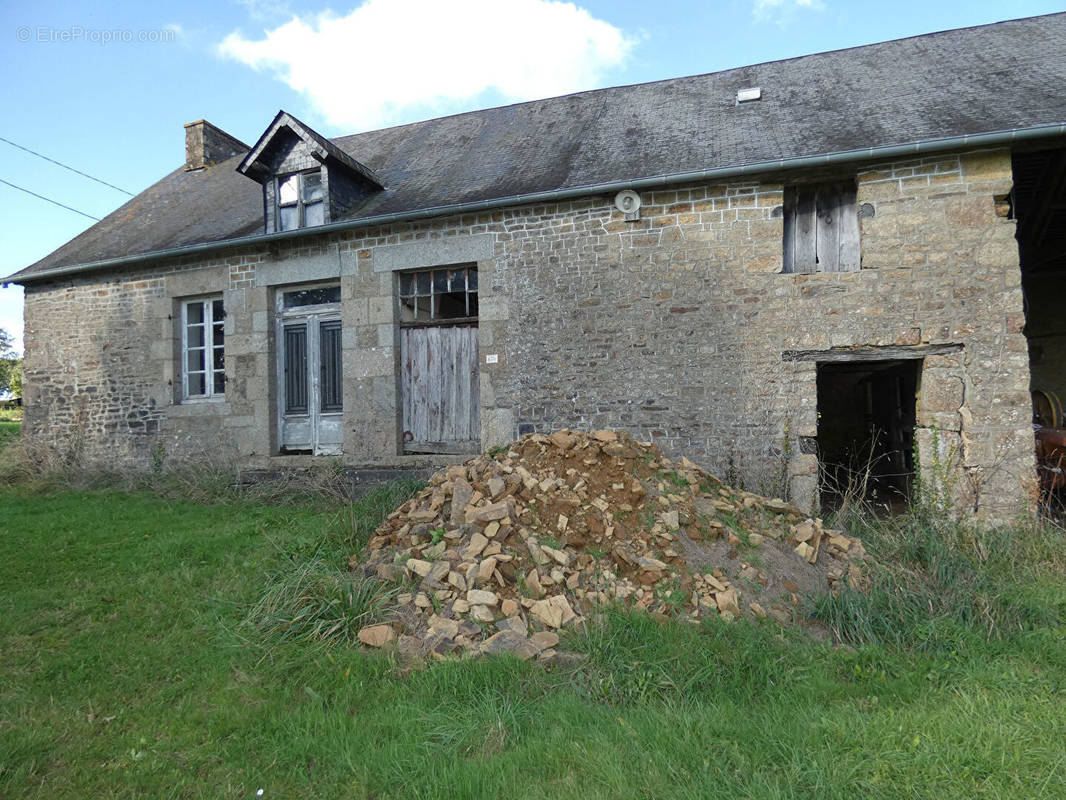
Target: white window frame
210, 394
300, 204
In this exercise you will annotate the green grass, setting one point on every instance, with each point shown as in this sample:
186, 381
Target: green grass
134, 663
9, 431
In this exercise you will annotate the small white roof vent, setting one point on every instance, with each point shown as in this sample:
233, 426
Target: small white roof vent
749, 95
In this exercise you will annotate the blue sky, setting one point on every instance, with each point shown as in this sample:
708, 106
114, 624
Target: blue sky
106, 89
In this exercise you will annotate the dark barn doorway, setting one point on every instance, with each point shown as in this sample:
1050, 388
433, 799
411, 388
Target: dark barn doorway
1038, 203
866, 419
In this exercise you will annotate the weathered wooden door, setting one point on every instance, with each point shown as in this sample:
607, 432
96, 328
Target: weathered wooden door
310, 395
441, 390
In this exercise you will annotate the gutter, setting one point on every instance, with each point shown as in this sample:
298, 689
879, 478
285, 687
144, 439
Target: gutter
826, 159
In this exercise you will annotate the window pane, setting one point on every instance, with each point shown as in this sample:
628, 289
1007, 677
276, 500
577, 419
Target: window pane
220, 383
295, 369
287, 188
195, 336
422, 282
471, 279
219, 359
330, 345
312, 186
311, 297
315, 214
452, 305
194, 313
407, 284
217, 312
440, 281
288, 218
473, 305
194, 361
219, 335
197, 385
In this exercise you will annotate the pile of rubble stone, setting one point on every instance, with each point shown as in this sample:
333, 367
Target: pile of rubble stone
500, 553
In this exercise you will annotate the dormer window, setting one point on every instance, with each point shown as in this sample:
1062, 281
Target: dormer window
307, 179
301, 201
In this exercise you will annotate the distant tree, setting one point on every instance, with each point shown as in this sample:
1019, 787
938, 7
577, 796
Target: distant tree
10, 366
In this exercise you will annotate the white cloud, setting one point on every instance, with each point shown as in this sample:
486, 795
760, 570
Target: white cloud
263, 10
779, 10
392, 61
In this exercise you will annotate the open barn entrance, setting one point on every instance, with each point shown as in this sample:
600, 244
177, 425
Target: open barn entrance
866, 418
1039, 205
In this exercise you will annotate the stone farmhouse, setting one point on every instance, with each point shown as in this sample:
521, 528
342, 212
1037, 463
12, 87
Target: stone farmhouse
788, 272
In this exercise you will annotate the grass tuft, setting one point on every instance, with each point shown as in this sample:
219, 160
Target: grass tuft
941, 586
317, 602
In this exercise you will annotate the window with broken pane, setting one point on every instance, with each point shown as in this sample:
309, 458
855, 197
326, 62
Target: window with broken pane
313, 296
438, 294
301, 201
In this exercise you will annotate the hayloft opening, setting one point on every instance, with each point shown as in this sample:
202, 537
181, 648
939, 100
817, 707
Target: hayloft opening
1039, 205
866, 419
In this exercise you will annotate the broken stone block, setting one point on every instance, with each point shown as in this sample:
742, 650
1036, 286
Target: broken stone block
462, 493
482, 613
544, 640
802, 531
376, 635
448, 627
485, 569
532, 583
481, 597
496, 486
477, 544
495, 511
727, 600
651, 564
516, 624
419, 567
554, 612
509, 642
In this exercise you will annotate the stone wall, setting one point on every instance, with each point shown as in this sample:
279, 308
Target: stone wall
677, 327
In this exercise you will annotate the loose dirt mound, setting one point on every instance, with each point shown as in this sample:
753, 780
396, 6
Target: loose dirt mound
500, 552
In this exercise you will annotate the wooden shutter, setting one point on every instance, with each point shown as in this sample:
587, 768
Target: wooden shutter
821, 228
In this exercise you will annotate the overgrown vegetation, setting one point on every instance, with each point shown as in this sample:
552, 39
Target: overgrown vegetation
939, 585
157, 647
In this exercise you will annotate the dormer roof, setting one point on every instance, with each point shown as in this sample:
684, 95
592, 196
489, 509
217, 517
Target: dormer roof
258, 164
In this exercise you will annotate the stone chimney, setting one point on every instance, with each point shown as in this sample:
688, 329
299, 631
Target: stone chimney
206, 145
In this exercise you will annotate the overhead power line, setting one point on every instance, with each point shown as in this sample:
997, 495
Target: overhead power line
64, 166
49, 200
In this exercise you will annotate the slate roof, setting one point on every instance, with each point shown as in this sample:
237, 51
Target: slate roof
999, 77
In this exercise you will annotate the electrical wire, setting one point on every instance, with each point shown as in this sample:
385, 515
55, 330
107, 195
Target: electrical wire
64, 166
49, 200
